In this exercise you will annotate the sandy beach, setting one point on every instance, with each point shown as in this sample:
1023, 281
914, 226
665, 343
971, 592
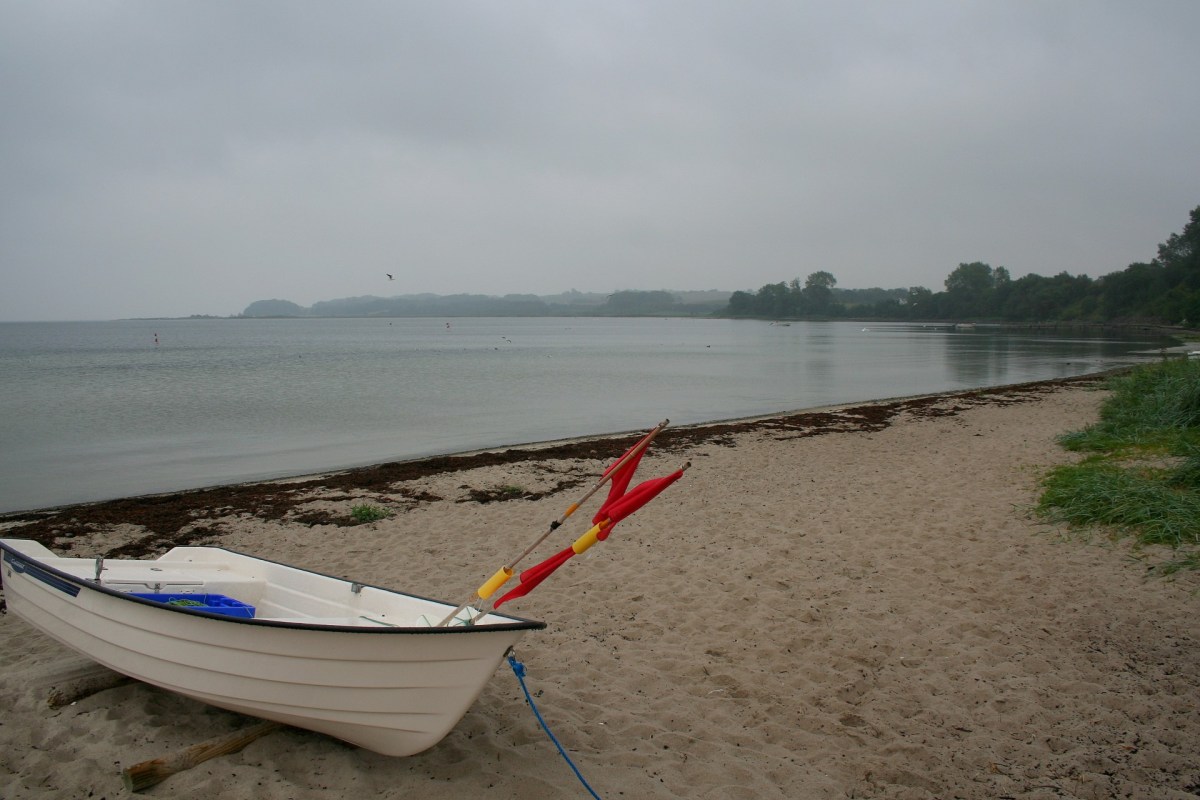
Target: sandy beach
854, 602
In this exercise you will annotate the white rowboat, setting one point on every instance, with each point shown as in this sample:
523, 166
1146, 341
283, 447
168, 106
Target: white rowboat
356, 662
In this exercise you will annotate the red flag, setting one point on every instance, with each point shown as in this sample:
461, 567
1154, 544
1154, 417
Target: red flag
617, 510
620, 482
622, 476
620, 503
531, 577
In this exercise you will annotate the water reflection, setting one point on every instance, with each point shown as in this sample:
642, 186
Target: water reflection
976, 358
819, 349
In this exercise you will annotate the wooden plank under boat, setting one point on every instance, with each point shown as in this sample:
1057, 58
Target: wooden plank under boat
357, 662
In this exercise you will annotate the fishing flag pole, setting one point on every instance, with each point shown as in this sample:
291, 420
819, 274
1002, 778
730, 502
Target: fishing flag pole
502, 575
617, 507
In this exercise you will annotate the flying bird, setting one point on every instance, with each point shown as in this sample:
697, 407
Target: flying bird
390, 278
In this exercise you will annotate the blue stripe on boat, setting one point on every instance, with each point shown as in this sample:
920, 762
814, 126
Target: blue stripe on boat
21, 566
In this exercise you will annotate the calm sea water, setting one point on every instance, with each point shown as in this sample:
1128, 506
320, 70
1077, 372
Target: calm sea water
96, 410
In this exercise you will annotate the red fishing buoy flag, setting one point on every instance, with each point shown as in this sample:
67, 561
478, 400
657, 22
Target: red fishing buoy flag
531, 577
616, 509
615, 470
619, 505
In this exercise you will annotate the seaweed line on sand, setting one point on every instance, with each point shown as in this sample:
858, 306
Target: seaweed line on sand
193, 516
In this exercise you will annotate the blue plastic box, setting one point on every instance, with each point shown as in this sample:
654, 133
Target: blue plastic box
212, 603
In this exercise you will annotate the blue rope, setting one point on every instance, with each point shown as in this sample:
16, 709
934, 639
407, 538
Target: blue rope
519, 670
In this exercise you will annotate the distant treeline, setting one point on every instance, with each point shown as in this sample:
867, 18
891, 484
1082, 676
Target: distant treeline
1163, 291
627, 303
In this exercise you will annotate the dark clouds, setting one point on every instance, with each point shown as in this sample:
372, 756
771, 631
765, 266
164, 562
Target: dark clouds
190, 157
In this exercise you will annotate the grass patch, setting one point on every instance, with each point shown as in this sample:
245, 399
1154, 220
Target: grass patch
1153, 417
369, 513
1155, 408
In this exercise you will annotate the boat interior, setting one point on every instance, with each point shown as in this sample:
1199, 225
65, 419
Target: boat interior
272, 592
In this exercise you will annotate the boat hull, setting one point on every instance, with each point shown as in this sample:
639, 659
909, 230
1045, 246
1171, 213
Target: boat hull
393, 690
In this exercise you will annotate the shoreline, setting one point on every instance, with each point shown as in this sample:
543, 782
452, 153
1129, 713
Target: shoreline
152, 511
156, 444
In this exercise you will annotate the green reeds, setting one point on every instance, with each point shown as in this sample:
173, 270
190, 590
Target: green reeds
1155, 406
368, 513
1142, 478
1141, 502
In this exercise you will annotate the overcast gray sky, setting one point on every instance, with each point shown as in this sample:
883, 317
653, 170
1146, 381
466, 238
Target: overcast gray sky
171, 158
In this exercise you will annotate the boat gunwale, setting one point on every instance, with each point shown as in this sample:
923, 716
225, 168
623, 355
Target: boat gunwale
10, 553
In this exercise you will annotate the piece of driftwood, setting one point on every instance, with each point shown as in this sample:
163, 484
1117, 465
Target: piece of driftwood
149, 773
85, 684
64, 681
